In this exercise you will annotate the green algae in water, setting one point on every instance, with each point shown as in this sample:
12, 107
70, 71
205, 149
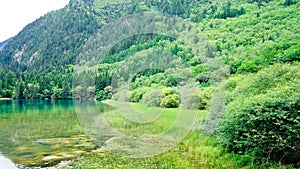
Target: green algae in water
41, 133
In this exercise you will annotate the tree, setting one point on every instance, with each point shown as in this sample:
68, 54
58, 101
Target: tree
57, 93
32, 90
66, 90
18, 92
289, 2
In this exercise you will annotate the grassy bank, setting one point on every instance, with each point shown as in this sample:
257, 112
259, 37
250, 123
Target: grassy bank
196, 150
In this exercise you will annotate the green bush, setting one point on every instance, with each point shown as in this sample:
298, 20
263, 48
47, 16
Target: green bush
264, 118
170, 101
268, 124
198, 69
151, 98
249, 66
103, 95
122, 95
137, 94
253, 84
167, 91
196, 100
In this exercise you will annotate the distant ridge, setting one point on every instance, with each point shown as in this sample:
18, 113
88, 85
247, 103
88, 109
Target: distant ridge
2, 44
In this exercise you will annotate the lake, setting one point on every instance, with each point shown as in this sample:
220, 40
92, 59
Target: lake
44, 133
41, 133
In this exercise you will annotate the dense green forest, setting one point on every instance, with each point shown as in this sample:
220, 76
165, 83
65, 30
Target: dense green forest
257, 41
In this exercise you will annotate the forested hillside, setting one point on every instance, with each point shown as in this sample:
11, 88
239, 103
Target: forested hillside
246, 35
2, 44
257, 41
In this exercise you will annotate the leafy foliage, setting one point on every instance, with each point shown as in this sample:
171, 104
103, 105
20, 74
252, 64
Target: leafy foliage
170, 101
263, 117
137, 94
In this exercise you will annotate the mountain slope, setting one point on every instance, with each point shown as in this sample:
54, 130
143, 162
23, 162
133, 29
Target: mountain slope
246, 36
56, 39
55, 36
2, 44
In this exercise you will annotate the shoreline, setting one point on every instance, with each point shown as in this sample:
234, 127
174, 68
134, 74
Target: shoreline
6, 99
62, 164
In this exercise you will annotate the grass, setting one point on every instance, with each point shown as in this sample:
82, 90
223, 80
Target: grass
117, 121
196, 150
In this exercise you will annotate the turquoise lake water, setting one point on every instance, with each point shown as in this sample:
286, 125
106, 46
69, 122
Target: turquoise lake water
42, 133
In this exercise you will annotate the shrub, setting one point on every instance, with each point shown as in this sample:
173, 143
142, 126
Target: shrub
137, 94
166, 92
273, 77
151, 98
104, 94
198, 69
268, 124
195, 100
264, 118
249, 66
122, 95
170, 101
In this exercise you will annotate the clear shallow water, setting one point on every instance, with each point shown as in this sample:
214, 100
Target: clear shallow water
41, 133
